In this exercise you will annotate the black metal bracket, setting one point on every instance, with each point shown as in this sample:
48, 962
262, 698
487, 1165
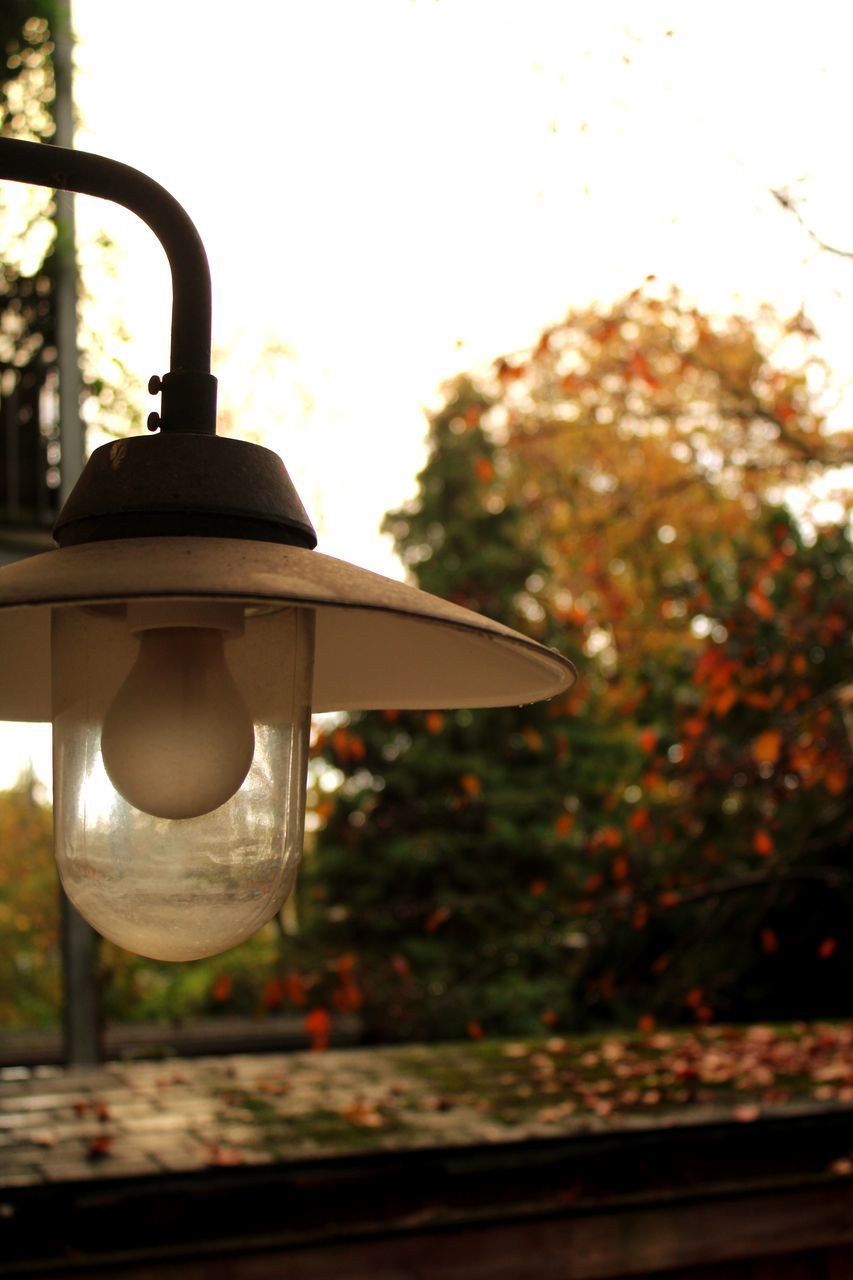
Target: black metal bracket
185, 481
189, 388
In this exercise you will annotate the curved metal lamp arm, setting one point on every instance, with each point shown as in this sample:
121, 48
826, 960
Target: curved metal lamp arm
189, 389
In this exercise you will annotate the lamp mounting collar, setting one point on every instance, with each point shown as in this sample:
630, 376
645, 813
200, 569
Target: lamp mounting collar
183, 485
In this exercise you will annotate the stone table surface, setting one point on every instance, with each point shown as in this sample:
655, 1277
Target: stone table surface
125, 1119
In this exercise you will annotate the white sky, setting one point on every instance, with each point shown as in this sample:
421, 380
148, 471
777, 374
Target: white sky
394, 190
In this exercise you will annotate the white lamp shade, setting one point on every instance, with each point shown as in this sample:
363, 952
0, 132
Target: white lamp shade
379, 643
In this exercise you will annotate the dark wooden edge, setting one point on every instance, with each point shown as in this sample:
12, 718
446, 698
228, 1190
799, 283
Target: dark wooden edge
590, 1206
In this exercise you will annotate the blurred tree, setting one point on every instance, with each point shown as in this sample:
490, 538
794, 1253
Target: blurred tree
33, 245
29, 921
29, 363
763, 896
610, 493
440, 857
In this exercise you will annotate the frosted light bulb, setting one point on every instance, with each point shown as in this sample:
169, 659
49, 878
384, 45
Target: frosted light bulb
178, 740
151, 706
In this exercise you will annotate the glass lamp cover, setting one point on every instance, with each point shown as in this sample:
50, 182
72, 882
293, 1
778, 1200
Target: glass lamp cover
156, 882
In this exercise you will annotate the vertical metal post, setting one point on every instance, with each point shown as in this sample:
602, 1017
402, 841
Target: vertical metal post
81, 1004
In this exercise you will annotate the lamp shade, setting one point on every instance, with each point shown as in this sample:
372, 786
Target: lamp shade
379, 643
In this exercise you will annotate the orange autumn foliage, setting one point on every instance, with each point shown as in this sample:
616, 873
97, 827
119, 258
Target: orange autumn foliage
769, 942
767, 746
318, 1026
632, 451
564, 824
221, 988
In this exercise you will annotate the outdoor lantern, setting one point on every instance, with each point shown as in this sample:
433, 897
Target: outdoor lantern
185, 628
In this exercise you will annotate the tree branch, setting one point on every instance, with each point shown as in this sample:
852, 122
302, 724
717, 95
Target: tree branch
788, 205
830, 876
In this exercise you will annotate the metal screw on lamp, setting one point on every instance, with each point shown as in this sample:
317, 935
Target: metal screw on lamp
184, 629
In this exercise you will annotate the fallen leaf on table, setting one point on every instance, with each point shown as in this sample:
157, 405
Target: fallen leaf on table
363, 1114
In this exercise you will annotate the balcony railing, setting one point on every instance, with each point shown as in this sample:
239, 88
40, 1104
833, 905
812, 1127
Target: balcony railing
30, 451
